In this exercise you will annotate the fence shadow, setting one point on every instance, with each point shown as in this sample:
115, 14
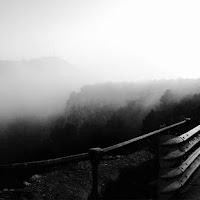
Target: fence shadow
133, 183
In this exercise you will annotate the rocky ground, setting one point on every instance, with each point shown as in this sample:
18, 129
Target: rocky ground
120, 177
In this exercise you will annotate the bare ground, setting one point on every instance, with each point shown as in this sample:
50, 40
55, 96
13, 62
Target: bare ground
120, 177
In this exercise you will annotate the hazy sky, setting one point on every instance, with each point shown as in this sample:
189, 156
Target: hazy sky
120, 39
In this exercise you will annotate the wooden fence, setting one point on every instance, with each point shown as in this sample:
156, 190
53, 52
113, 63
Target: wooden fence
179, 157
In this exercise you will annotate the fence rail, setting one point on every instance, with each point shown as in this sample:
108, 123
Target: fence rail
183, 151
49, 162
179, 146
117, 146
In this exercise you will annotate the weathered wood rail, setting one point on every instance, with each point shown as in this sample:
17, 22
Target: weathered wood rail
179, 157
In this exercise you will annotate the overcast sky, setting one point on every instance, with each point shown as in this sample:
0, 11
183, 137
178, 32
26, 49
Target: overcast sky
120, 39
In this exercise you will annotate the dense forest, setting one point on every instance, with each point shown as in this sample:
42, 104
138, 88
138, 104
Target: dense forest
100, 115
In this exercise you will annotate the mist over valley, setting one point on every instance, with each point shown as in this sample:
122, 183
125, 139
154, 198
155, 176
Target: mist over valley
51, 108
81, 81
37, 87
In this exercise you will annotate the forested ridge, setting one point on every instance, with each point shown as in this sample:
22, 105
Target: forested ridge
101, 115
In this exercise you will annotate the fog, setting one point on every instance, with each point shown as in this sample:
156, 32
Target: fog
119, 40
78, 74
42, 87
52, 48
37, 87
148, 93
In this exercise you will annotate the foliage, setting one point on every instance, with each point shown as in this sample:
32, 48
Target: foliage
24, 139
187, 107
97, 121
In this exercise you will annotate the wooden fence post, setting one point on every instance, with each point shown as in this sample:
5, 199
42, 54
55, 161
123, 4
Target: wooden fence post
188, 123
95, 155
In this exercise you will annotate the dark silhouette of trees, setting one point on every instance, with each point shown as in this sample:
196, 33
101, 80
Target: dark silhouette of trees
95, 119
170, 111
167, 99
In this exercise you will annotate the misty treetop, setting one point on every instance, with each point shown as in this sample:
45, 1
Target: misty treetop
112, 112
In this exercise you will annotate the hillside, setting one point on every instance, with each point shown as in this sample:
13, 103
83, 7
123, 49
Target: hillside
38, 86
119, 93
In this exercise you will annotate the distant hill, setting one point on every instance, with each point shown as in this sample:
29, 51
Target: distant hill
43, 86
37, 86
50, 66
